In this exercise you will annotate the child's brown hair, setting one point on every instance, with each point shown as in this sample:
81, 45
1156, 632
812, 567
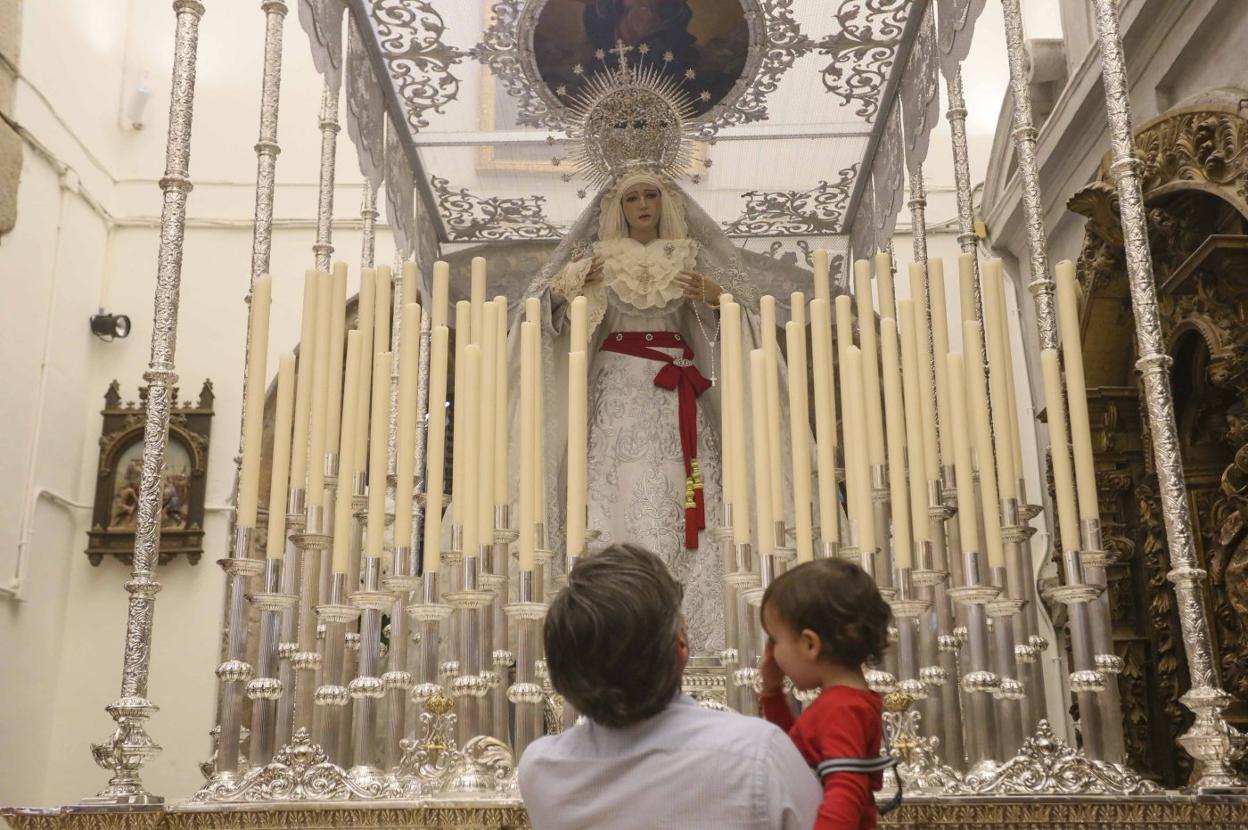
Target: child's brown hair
838, 601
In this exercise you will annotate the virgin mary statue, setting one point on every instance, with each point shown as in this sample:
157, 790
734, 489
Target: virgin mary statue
651, 265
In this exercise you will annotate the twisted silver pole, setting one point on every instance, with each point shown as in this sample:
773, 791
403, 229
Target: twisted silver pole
967, 238
324, 248
1210, 740
129, 747
918, 215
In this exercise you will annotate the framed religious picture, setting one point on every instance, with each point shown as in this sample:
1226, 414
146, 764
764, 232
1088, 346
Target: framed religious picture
183, 483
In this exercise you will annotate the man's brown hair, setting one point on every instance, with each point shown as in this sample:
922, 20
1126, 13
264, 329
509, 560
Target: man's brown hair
611, 636
838, 601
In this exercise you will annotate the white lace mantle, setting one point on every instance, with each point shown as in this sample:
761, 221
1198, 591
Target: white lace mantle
644, 276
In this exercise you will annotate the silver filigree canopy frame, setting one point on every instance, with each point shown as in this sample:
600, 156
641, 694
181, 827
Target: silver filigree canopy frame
776, 41
816, 212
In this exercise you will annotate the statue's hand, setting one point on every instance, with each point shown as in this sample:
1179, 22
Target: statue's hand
700, 287
595, 272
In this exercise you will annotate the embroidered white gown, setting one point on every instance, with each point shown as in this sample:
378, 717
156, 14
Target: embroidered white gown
636, 469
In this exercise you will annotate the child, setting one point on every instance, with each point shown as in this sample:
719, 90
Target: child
823, 620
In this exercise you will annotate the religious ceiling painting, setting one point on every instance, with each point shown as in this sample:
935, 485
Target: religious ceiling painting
1195, 181
183, 478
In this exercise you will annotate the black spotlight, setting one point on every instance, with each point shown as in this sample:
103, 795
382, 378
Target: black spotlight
110, 326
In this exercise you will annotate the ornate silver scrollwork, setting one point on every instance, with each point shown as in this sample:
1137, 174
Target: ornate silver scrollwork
411, 36
815, 212
471, 218
366, 109
862, 49
920, 101
888, 178
400, 196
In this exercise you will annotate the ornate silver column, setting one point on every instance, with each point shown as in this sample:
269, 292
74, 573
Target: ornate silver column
1041, 285
918, 214
129, 747
967, 238
1210, 740
324, 247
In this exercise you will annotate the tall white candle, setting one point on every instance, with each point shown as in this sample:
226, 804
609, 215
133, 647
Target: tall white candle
1076, 391
341, 553
926, 390
435, 451
383, 312
960, 429
405, 439
320, 396
253, 414
977, 387
859, 476
823, 282
485, 423
999, 370
337, 327
533, 314
579, 337
502, 409
940, 347
966, 288
799, 431
1015, 413
916, 443
1059, 450
441, 288
377, 460
825, 418
797, 308
884, 285
366, 312
280, 474
471, 382
303, 384
771, 397
844, 333
528, 432
411, 284
867, 340
734, 381
578, 450
762, 452
477, 295
461, 473
894, 411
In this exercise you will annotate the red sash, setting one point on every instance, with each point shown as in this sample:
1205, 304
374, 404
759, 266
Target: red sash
683, 376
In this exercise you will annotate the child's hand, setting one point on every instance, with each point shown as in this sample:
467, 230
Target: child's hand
769, 672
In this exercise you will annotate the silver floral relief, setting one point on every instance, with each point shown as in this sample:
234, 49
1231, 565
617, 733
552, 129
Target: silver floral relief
400, 195
472, 218
411, 34
499, 50
919, 92
366, 109
888, 177
814, 212
955, 23
862, 231
322, 21
862, 47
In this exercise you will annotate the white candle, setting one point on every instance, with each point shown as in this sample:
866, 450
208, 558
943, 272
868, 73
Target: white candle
923, 362
977, 387
383, 311
533, 314
960, 429
320, 396
366, 313
253, 414
825, 418
411, 284
940, 347
377, 454
884, 285
303, 384
966, 287
999, 370
337, 327
280, 476
579, 338
771, 398
916, 443
726, 412
528, 434
441, 288
844, 333
484, 433
1063, 484
471, 382
1015, 413
476, 293
435, 451
894, 410
859, 476
405, 439
799, 431
502, 408
1076, 391
341, 552
734, 381
797, 308
460, 476
578, 450
823, 283
762, 453
874, 424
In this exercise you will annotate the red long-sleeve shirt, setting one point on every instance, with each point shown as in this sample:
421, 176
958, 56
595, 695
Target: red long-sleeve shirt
843, 722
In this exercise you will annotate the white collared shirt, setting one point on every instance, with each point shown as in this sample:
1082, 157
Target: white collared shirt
687, 767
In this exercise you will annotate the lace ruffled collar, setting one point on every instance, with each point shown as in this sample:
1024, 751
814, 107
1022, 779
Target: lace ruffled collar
644, 275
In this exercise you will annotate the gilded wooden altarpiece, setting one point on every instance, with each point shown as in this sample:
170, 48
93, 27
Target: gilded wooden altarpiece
1194, 170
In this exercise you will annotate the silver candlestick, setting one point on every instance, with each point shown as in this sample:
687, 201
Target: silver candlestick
235, 672
266, 689
289, 646
980, 682
366, 688
398, 680
331, 696
526, 693
307, 660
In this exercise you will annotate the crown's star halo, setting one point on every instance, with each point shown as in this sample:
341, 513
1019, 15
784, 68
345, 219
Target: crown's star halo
629, 117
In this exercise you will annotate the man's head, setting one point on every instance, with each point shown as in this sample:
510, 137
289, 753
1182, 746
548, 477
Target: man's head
615, 639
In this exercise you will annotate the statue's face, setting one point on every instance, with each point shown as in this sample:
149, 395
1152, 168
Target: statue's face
642, 203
